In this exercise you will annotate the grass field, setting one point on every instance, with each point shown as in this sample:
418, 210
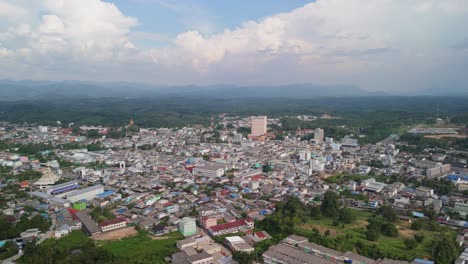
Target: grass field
76, 239
143, 246
357, 231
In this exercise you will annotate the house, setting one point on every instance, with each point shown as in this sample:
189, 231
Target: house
232, 227
189, 242
63, 230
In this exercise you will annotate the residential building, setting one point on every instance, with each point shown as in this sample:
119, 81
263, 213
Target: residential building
319, 135
258, 126
187, 226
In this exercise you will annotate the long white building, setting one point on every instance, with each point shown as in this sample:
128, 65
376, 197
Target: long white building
208, 171
85, 194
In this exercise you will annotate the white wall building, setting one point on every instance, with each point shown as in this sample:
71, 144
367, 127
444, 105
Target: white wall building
259, 125
85, 194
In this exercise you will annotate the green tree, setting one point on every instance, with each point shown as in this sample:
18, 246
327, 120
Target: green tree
417, 225
419, 237
330, 204
346, 215
388, 213
410, 243
372, 234
389, 229
444, 250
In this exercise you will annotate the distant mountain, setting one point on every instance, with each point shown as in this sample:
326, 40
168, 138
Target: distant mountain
49, 90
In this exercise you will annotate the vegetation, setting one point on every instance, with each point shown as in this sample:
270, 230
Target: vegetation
372, 234
142, 248
9, 230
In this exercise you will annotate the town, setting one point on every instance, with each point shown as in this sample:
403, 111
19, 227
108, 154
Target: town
215, 192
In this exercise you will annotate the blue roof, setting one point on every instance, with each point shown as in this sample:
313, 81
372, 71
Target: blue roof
264, 212
423, 261
121, 210
105, 194
2, 243
418, 214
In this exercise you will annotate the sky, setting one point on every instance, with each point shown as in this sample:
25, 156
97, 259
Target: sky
378, 45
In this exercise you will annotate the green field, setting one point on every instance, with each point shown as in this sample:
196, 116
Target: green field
143, 246
352, 233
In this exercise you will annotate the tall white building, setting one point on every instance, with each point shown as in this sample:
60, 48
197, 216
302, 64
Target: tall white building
259, 125
187, 226
304, 155
43, 129
317, 165
318, 135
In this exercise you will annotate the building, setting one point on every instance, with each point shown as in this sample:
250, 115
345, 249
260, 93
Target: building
208, 171
187, 226
89, 225
304, 155
113, 224
186, 243
462, 208
43, 129
319, 135
232, 227
62, 188
85, 194
258, 126
236, 243
297, 250
208, 222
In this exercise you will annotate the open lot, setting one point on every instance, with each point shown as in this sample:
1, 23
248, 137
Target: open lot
116, 234
142, 245
352, 233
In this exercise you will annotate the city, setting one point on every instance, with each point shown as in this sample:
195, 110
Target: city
233, 132
218, 191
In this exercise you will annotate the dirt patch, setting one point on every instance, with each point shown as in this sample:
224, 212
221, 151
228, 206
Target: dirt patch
116, 234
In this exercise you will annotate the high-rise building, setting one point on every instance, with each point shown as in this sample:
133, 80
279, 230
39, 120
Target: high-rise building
259, 126
187, 226
318, 135
304, 155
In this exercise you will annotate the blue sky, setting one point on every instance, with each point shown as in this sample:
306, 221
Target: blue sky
380, 45
170, 17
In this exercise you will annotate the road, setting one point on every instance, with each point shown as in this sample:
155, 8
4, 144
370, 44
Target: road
48, 234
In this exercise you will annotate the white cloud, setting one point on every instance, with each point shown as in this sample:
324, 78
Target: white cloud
387, 44
11, 11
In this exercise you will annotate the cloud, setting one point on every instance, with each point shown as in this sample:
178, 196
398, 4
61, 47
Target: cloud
11, 11
387, 44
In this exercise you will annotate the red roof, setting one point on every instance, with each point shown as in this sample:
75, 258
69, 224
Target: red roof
113, 221
257, 177
230, 225
260, 234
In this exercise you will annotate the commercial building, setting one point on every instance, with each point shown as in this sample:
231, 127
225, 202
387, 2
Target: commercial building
85, 194
88, 224
63, 188
297, 250
113, 224
208, 171
187, 226
258, 126
319, 135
